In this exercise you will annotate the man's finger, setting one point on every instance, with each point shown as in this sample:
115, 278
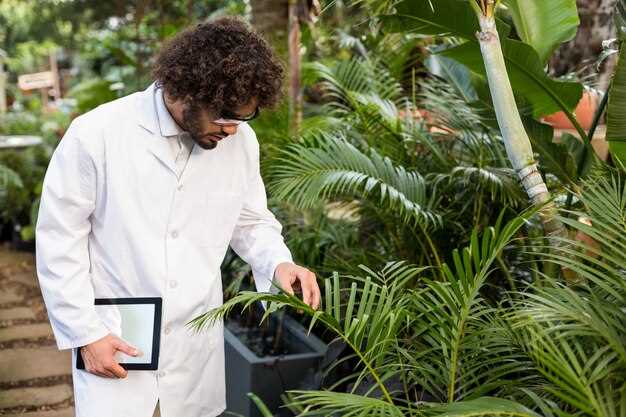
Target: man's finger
103, 372
315, 291
90, 363
126, 348
117, 370
306, 291
316, 295
287, 287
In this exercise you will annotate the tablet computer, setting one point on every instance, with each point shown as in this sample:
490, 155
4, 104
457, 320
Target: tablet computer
136, 320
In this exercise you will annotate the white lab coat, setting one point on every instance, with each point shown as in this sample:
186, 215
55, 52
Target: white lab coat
115, 221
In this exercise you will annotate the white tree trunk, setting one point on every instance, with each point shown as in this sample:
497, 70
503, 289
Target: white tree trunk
517, 143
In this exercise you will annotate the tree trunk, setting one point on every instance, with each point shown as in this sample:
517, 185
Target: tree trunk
516, 141
270, 18
295, 92
279, 22
581, 53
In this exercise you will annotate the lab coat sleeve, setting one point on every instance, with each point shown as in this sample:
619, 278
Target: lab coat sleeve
257, 237
63, 224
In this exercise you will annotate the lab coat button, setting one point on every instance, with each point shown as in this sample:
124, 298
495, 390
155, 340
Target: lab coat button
161, 374
174, 234
173, 283
180, 187
168, 329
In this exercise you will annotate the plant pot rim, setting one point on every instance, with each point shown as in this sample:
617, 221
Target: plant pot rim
318, 347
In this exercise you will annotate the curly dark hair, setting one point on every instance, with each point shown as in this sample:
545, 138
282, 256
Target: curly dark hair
220, 65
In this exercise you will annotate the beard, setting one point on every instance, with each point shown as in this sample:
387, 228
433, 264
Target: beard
192, 127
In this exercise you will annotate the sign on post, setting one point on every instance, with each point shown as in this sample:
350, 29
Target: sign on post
36, 81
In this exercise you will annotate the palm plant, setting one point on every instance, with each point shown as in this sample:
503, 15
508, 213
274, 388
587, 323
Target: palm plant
424, 16
381, 316
550, 350
576, 337
362, 151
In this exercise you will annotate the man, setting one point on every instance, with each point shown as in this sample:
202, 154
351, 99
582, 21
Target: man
142, 197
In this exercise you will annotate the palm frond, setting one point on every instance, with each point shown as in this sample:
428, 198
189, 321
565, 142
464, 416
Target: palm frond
464, 350
579, 373
325, 403
334, 168
368, 321
484, 406
576, 335
353, 76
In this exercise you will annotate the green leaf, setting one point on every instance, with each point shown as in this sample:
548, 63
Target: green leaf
616, 112
551, 155
556, 158
484, 406
442, 17
334, 168
458, 75
91, 93
265, 412
527, 76
575, 148
544, 24
525, 66
620, 19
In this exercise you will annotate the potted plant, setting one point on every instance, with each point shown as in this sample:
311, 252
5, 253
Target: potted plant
267, 360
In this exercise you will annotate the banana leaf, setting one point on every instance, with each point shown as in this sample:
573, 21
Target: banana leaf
616, 112
525, 67
544, 25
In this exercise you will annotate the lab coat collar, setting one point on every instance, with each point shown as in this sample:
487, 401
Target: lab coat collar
153, 113
167, 124
147, 118
146, 110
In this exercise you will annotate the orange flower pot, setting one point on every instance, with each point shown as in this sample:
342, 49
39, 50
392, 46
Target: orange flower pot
585, 111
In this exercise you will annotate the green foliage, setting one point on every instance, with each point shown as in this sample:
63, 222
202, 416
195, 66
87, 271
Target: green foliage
304, 174
550, 350
616, 112
561, 159
616, 126
19, 123
576, 335
527, 76
483, 407
91, 93
544, 25
356, 153
441, 17
524, 64
22, 174
9, 180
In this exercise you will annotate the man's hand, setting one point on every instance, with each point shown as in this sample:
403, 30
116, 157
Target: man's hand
99, 356
294, 277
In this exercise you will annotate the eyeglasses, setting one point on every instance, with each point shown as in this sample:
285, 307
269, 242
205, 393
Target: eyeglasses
229, 118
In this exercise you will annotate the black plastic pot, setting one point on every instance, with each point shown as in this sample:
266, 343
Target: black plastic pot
268, 377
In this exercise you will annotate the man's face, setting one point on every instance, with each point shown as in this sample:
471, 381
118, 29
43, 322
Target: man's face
200, 124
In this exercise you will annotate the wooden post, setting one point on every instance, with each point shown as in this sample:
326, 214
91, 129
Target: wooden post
56, 87
44, 99
3, 80
295, 94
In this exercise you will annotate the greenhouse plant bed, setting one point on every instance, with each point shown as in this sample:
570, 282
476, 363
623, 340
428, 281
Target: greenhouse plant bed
267, 376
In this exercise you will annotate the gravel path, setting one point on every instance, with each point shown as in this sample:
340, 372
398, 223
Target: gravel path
35, 377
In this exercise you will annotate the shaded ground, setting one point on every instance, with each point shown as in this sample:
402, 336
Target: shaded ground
35, 377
